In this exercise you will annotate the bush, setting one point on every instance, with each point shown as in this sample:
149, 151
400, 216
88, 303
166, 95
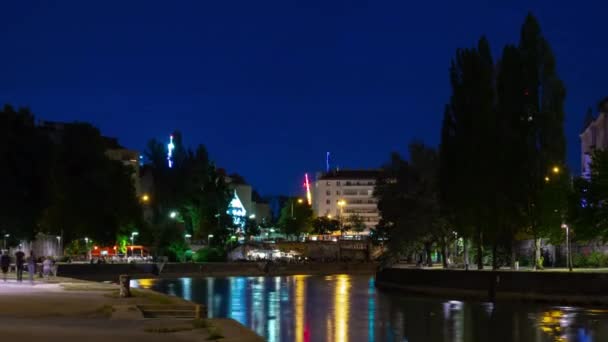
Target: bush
594, 259
209, 254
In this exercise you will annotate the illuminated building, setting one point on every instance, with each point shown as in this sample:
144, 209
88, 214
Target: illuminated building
237, 211
354, 189
594, 136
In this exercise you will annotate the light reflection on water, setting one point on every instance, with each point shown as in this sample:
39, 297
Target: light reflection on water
350, 308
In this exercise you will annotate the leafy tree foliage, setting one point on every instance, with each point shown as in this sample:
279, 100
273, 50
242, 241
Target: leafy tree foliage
324, 225
26, 156
295, 218
408, 200
502, 136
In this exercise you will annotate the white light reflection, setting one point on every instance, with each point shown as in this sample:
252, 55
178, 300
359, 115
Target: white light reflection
187, 288
257, 305
238, 300
371, 310
210, 297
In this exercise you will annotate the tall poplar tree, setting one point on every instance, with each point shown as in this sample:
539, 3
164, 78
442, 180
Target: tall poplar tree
543, 97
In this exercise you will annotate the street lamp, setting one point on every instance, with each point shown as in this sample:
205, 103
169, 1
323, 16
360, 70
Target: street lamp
209, 239
341, 204
568, 252
145, 198
5, 237
555, 169
173, 214
133, 235
252, 216
300, 201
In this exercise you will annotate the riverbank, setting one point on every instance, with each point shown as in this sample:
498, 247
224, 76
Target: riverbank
111, 272
577, 288
68, 309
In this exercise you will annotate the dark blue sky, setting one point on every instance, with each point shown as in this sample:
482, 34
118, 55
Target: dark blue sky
270, 86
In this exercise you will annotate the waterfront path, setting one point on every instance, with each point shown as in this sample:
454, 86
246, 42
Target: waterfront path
65, 309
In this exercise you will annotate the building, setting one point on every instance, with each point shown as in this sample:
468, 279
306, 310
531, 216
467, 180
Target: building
343, 193
594, 136
128, 158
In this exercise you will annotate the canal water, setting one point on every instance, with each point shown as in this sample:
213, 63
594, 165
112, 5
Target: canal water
351, 308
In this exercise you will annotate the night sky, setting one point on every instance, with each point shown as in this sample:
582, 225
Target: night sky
270, 86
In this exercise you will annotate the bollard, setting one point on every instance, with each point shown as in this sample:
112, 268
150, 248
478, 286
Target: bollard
125, 283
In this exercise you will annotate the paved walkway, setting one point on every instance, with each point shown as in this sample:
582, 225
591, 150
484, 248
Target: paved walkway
70, 310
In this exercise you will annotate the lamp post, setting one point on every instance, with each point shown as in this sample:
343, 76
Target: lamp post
86, 244
6, 236
187, 237
341, 204
568, 252
133, 235
209, 239
300, 201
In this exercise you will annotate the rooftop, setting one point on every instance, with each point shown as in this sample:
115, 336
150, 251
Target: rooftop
350, 174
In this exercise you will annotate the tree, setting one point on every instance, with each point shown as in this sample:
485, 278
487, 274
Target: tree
543, 97
588, 213
295, 218
355, 223
324, 225
24, 176
466, 151
408, 200
252, 228
92, 196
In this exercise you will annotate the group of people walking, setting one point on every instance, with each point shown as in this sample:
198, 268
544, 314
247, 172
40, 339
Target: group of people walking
21, 261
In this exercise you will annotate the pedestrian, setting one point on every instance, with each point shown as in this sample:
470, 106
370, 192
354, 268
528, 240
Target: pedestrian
31, 266
19, 262
5, 263
46, 267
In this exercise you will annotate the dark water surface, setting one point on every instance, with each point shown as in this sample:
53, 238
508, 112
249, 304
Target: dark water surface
350, 308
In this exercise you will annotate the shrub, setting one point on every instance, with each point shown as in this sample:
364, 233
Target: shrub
209, 254
594, 259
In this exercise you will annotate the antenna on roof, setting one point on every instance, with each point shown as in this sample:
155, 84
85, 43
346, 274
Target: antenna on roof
327, 162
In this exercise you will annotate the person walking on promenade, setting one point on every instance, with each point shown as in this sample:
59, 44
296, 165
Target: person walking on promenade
46, 267
19, 261
5, 263
31, 266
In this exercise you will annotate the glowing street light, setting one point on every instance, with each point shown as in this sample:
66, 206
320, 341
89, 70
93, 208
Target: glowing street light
145, 198
555, 169
300, 201
133, 235
209, 239
546, 178
568, 252
173, 214
252, 216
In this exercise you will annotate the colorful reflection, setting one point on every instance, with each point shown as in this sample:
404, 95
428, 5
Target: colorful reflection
300, 308
341, 307
351, 308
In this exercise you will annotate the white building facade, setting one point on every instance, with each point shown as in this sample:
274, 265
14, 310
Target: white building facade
594, 137
341, 194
